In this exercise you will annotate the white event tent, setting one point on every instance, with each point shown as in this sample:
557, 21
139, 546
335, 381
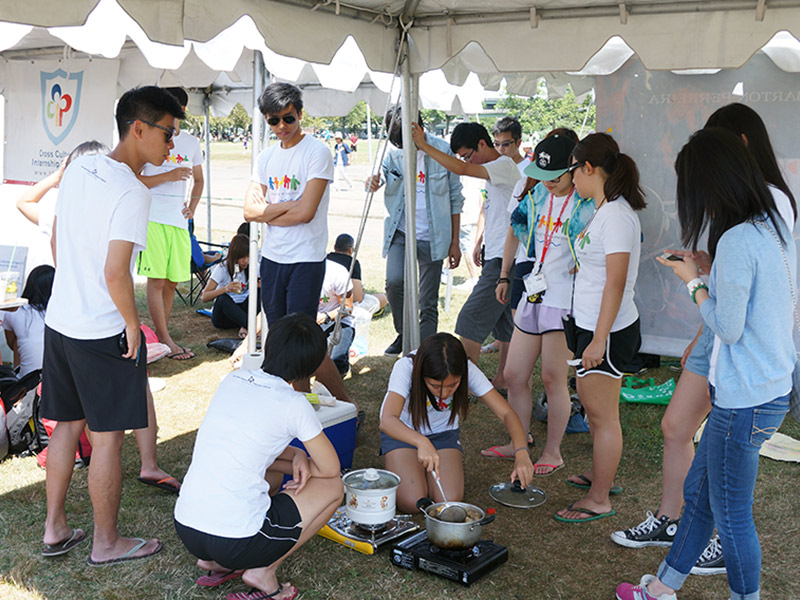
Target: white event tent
519, 40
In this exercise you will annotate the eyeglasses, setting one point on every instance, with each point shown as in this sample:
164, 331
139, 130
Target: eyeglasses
575, 166
288, 119
169, 132
466, 158
505, 144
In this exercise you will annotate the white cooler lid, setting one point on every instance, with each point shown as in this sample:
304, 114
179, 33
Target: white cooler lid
333, 415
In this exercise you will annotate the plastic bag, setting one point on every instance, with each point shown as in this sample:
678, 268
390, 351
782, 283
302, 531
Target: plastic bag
645, 391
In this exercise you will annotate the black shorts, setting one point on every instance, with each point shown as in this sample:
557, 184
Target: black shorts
89, 379
621, 346
517, 285
278, 535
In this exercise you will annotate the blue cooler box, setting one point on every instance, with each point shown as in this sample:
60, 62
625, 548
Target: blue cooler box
339, 424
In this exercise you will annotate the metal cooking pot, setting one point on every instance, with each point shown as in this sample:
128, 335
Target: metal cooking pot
453, 536
370, 496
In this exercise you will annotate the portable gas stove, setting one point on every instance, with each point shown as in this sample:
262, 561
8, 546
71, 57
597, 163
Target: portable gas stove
466, 566
366, 539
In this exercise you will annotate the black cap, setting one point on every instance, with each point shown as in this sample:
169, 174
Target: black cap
550, 158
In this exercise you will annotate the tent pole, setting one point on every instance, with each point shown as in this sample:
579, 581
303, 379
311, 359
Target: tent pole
369, 133
411, 281
206, 133
255, 149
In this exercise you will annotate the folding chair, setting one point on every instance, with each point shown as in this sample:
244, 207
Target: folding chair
199, 267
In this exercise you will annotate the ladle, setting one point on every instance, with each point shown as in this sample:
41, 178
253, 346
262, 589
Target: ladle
451, 513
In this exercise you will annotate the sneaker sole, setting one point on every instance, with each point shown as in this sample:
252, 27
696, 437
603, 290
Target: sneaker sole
708, 571
622, 541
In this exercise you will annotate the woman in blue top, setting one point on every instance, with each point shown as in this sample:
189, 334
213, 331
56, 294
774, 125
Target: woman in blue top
748, 305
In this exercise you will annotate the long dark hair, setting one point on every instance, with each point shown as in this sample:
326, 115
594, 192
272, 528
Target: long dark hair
530, 183
39, 287
743, 120
600, 150
719, 187
238, 248
438, 356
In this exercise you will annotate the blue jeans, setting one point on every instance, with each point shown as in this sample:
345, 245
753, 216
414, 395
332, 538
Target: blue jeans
719, 491
340, 354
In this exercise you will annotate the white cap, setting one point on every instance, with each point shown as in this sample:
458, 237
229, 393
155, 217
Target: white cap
339, 135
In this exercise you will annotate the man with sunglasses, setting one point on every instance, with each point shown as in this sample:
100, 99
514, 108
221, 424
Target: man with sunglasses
95, 359
437, 223
290, 192
166, 261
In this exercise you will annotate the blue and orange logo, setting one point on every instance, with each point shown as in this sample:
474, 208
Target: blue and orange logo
61, 94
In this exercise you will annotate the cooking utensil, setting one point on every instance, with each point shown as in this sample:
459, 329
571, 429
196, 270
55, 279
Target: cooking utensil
370, 496
454, 536
516, 496
451, 513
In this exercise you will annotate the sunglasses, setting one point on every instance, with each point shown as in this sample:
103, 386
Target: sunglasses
288, 119
505, 144
169, 132
575, 166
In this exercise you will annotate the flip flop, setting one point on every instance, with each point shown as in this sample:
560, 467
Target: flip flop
187, 354
213, 579
169, 484
587, 483
553, 469
493, 452
128, 556
64, 545
593, 516
256, 594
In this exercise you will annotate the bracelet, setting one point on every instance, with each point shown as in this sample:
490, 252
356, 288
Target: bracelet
691, 285
518, 449
702, 286
503, 280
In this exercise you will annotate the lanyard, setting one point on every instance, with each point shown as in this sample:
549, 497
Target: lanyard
552, 232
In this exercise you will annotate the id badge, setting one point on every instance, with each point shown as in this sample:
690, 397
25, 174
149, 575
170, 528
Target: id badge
535, 283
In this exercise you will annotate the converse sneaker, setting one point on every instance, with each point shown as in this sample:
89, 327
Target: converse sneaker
650, 532
711, 561
395, 348
628, 591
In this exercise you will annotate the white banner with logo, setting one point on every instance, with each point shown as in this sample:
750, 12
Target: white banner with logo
51, 107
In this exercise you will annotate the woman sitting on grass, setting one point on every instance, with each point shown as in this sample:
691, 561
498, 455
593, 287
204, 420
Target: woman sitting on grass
228, 287
420, 415
229, 513
24, 327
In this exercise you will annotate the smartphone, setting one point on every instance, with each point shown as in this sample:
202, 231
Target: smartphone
483, 255
673, 257
123, 343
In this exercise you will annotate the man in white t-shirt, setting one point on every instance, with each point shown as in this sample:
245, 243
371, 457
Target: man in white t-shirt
289, 191
95, 370
482, 313
166, 261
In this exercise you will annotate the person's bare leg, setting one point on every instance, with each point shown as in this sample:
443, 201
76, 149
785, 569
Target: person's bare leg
146, 440
328, 375
472, 348
600, 397
413, 478
105, 488
316, 503
451, 476
60, 463
523, 353
554, 378
169, 298
155, 305
686, 410
499, 381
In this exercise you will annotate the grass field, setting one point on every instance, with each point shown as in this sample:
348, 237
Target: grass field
548, 560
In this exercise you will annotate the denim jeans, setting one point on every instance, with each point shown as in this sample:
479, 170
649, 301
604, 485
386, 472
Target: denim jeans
340, 354
718, 491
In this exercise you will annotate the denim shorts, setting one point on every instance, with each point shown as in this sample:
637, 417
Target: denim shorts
698, 359
441, 441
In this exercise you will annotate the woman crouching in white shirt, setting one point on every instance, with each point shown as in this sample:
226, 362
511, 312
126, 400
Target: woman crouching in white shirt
228, 513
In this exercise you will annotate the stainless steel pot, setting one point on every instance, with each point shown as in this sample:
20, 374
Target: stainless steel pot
453, 536
370, 496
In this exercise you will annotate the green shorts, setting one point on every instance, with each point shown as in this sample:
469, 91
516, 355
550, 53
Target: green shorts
168, 254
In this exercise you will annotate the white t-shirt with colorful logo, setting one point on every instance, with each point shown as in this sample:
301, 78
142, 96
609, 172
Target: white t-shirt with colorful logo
285, 173
400, 383
169, 198
614, 228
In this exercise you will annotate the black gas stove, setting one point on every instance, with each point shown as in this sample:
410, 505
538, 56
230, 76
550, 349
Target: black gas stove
466, 567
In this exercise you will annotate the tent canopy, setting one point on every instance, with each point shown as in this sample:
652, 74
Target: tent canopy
515, 35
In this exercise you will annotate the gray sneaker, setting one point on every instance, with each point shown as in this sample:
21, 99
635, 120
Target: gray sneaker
711, 561
650, 532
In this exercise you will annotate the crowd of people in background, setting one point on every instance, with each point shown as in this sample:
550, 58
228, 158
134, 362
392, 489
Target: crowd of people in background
555, 255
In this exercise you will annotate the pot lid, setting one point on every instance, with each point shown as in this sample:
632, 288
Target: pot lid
371, 479
516, 496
